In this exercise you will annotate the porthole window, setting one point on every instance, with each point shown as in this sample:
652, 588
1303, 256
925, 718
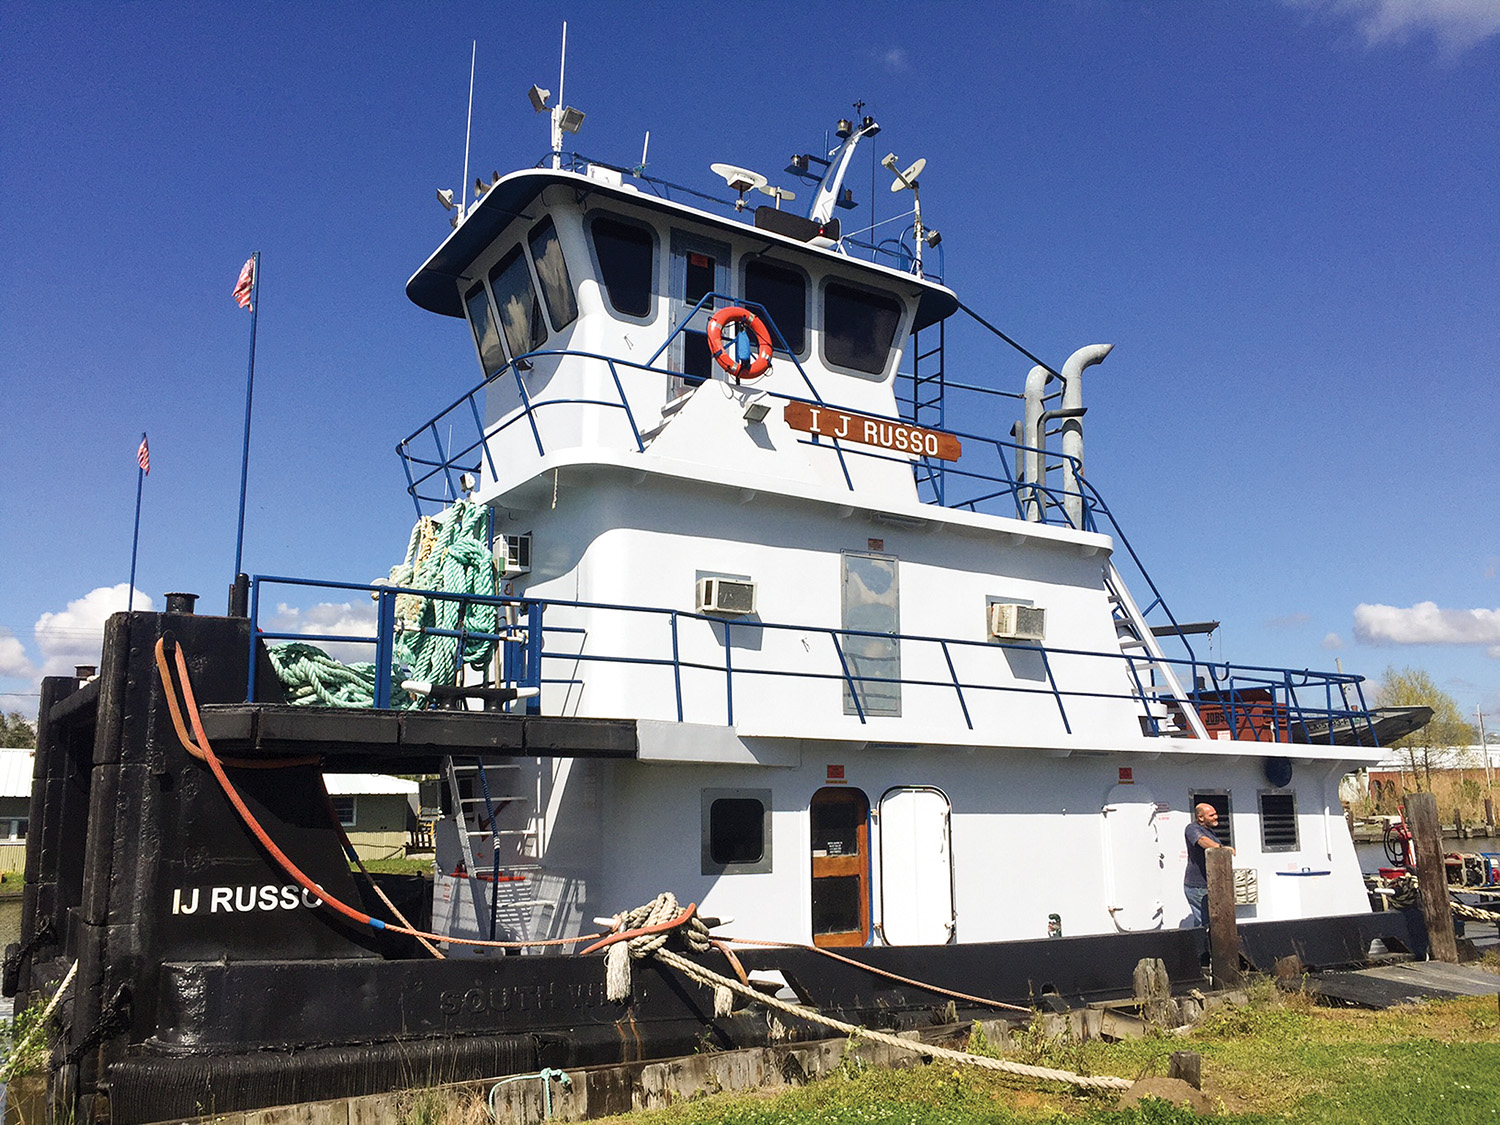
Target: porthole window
736, 831
516, 301
1278, 822
859, 328
552, 274
626, 264
782, 292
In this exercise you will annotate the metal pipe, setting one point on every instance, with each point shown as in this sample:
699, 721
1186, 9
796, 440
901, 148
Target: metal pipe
1034, 437
1072, 427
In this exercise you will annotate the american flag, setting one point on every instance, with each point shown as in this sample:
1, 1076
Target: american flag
245, 285
143, 455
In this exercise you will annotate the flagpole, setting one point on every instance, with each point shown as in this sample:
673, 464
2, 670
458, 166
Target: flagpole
239, 540
135, 539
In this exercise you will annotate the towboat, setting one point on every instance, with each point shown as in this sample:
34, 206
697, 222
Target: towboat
723, 585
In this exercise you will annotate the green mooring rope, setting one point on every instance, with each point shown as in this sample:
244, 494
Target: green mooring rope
444, 557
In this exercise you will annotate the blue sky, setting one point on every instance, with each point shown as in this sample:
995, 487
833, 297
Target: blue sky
1283, 213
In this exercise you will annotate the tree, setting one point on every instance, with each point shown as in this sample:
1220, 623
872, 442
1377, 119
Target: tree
15, 731
1436, 743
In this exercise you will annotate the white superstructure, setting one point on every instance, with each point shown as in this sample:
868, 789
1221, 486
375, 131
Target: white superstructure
944, 719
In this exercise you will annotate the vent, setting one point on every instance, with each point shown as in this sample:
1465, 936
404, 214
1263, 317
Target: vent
513, 553
1011, 622
1278, 822
726, 597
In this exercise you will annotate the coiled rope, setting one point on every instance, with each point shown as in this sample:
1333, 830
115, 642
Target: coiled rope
447, 556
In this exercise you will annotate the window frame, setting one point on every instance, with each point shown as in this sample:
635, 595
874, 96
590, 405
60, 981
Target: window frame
548, 312
653, 283
805, 351
1260, 801
1225, 831
517, 255
338, 812
489, 304
709, 865
890, 363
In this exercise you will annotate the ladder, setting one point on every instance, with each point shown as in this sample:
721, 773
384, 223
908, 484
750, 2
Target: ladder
1168, 709
476, 817
928, 390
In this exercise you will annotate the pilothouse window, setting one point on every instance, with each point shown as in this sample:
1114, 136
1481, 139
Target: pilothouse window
625, 253
486, 335
552, 273
782, 292
520, 311
859, 328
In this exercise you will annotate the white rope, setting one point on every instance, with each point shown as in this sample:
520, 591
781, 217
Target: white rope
664, 908
16, 1055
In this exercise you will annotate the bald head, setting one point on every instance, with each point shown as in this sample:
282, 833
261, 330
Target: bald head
1206, 815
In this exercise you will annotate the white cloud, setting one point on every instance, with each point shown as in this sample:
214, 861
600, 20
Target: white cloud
13, 658
1426, 624
895, 60
1456, 25
1333, 641
329, 619
75, 635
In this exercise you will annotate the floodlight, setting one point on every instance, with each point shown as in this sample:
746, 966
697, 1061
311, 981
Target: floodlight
571, 119
538, 98
445, 197
756, 411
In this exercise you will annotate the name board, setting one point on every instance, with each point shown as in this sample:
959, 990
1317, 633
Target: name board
902, 437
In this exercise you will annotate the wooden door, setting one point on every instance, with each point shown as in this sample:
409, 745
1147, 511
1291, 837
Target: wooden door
840, 867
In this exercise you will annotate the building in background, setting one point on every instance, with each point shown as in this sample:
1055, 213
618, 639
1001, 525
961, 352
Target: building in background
15, 803
376, 810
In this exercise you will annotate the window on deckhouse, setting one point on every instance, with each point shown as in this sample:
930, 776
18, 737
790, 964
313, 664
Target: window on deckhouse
625, 253
859, 328
486, 334
520, 311
552, 274
782, 292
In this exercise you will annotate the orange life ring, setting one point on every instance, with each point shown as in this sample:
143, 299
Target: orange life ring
757, 363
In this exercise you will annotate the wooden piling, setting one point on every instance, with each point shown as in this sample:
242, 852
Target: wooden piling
1223, 931
1432, 879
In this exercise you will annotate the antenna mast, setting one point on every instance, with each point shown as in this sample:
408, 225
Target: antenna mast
468, 131
557, 110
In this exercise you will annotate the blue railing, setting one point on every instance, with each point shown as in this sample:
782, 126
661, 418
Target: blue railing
540, 651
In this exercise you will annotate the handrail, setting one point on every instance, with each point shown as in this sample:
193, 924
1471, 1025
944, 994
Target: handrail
1286, 705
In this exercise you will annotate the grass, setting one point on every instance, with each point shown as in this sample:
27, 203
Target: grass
397, 866
1278, 1058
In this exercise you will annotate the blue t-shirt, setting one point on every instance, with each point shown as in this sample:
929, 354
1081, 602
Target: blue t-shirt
1196, 874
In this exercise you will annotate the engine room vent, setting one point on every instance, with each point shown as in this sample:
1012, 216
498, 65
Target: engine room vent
513, 553
726, 597
1011, 622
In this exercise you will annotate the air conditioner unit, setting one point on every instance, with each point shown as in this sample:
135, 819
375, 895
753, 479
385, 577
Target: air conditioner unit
1246, 887
513, 553
726, 597
1011, 622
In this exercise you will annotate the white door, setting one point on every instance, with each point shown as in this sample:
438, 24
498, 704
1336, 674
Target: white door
916, 867
1134, 863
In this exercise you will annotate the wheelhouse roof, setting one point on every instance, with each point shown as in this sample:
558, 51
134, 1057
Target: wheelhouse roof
434, 286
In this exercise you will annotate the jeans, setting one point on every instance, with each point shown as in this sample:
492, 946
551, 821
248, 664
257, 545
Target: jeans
1198, 900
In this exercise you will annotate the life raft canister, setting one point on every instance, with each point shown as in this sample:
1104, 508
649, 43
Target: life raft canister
751, 347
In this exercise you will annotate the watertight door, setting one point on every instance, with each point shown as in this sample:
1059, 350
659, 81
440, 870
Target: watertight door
1134, 862
840, 867
916, 867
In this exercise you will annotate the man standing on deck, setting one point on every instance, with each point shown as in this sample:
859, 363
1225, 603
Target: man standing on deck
1200, 837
